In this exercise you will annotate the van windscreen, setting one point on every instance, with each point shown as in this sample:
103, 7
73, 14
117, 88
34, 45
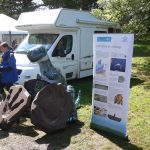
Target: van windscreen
32, 40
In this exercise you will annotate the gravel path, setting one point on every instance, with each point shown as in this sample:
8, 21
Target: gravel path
21, 137
13, 141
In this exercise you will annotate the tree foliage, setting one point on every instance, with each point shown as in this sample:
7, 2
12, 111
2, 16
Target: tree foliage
132, 15
75, 4
13, 8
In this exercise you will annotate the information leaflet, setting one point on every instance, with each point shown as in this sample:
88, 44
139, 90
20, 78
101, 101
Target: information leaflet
112, 57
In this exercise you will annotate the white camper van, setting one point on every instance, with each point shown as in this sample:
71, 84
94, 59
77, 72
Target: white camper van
50, 27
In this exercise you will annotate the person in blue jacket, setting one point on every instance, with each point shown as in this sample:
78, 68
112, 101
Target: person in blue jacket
8, 71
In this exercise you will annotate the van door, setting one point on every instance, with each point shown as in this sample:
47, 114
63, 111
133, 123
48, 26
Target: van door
64, 55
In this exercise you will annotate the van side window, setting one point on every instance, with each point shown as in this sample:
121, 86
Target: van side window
118, 30
63, 47
114, 30
111, 30
100, 31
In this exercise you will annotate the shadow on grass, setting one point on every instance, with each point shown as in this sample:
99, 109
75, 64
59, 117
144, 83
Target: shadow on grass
141, 48
142, 74
147, 86
141, 51
135, 81
143, 67
61, 139
123, 143
145, 42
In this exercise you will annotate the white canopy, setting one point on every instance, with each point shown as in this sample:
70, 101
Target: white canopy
7, 25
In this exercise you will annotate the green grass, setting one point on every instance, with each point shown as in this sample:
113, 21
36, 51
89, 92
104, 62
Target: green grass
139, 100
79, 135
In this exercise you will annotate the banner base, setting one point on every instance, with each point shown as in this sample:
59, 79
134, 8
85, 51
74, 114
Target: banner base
108, 131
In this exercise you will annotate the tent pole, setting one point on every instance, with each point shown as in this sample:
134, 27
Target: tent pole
10, 37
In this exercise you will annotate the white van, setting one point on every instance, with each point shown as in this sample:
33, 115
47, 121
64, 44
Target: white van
48, 27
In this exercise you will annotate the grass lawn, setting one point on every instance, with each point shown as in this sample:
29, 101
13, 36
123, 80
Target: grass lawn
79, 136
139, 100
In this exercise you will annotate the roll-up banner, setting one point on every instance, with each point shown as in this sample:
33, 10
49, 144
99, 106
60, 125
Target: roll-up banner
112, 57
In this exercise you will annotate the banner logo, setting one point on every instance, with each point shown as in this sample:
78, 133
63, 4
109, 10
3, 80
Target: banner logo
124, 39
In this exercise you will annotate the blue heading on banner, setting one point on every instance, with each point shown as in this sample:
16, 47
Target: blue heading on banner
103, 39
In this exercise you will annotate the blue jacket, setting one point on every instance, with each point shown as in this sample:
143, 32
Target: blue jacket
8, 71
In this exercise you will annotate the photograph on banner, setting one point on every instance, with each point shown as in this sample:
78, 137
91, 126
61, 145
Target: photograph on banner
115, 115
118, 64
101, 86
100, 95
100, 91
100, 111
100, 98
116, 96
102, 65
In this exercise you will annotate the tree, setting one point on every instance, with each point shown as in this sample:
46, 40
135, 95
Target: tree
14, 8
75, 4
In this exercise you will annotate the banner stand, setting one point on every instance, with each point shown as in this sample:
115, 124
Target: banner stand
112, 58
